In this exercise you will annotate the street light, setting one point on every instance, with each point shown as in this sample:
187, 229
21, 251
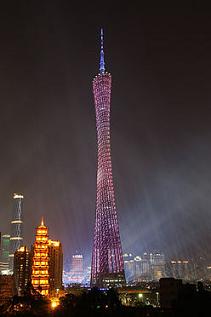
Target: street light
157, 295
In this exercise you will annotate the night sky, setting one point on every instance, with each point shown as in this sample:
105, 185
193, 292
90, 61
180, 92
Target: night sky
160, 61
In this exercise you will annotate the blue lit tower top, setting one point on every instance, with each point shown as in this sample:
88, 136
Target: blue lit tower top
102, 60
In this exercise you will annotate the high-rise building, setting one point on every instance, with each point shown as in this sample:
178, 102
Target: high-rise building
22, 269
40, 262
87, 276
144, 273
142, 269
129, 266
77, 270
107, 259
16, 238
76, 274
181, 269
4, 253
77, 263
208, 273
157, 261
55, 265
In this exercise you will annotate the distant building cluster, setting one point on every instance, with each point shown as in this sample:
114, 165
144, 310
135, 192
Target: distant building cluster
148, 267
154, 266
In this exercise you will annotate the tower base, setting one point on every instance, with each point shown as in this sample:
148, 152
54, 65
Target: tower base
110, 280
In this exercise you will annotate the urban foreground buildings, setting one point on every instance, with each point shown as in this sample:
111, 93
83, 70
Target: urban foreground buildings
107, 259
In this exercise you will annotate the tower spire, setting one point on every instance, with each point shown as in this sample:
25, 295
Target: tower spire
102, 60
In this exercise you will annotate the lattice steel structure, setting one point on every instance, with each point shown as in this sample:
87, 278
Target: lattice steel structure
107, 259
16, 238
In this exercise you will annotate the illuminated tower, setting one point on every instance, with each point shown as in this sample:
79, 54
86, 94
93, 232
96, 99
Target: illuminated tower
107, 259
40, 262
16, 239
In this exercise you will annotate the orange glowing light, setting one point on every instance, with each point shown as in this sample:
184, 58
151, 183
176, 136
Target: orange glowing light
54, 303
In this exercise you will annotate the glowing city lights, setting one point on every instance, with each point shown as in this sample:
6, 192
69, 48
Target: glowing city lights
54, 303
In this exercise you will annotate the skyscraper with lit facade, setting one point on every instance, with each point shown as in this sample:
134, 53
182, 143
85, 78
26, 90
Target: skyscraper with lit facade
77, 268
55, 254
107, 259
22, 269
40, 262
4, 254
16, 238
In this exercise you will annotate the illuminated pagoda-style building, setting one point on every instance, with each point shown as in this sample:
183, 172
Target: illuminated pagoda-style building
107, 259
40, 263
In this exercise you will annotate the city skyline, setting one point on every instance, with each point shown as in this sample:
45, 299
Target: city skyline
160, 124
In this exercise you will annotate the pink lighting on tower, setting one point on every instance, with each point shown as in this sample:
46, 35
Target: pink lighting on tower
107, 259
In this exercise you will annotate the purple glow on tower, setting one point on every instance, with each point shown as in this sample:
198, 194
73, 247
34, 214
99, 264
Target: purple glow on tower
107, 260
